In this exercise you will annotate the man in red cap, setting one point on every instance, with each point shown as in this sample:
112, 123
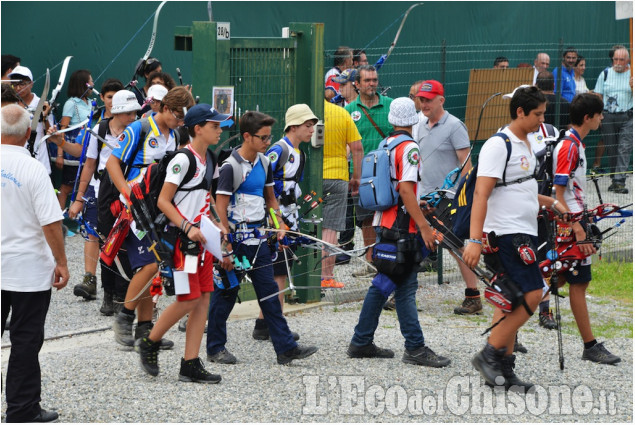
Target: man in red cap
444, 145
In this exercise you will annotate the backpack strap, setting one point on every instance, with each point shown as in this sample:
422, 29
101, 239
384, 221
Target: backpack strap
508, 145
145, 128
210, 166
284, 158
102, 131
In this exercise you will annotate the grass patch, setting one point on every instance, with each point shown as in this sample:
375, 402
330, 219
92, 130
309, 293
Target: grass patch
613, 280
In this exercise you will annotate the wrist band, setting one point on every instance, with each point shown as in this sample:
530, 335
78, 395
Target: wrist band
62, 144
478, 241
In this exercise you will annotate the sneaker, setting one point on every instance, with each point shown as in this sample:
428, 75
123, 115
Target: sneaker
518, 347
261, 331
546, 320
88, 288
470, 305
342, 259
390, 305
183, 324
427, 265
107, 307
424, 356
123, 329
145, 329
194, 371
223, 357
297, 353
599, 354
618, 187
368, 352
331, 283
149, 354
367, 271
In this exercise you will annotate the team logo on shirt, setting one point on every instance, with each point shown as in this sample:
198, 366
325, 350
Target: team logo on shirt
273, 156
123, 136
413, 156
539, 138
196, 173
291, 159
356, 115
524, 163
153, 143
176, 169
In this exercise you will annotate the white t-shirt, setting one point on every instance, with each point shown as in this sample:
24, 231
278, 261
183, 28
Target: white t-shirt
40, 149
104, 154
192, 205
512, 208
28, 203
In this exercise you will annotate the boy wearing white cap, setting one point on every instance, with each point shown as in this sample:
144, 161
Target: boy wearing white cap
404, 169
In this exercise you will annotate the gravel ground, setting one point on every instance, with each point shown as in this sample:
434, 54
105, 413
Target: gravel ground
88, 378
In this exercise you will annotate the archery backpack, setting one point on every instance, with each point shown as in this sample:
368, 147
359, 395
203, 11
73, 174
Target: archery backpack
226, 156
376, 191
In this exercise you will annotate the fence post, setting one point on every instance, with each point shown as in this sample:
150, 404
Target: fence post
559, 85
309, 89
443, 60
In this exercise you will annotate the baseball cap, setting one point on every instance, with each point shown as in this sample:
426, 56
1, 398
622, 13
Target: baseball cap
430, 89
22, 71
157, 92
346, 76
201, 113
403, 113
510, 95
298, 115
124, 101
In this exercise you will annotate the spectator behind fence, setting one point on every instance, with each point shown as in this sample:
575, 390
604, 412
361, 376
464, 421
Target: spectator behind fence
31, 217
359, 58
578, 72
342, 60
545, 83
501, 62
8, 63
616, 87
569, 58
541, 63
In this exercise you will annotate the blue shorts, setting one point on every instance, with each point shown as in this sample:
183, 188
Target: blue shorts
90, 207
138, 252
581, 274
277, 257
527, 277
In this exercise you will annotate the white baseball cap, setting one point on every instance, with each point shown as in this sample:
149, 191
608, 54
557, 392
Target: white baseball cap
124, 101
22, 71
510, 95
157, 92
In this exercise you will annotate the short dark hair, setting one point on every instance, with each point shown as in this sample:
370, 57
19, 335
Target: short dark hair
527, 98
8, 62
500, 59
569, 49
584, 104
111, 84
614, 48
580, 59
357, 53
251, 122
340, 55
9, 95
545, 81
368, 68
168, 81
151, 64
77, 83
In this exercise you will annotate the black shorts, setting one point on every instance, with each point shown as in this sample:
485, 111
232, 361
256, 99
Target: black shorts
527, 277
277, 258
581, 274
69, 174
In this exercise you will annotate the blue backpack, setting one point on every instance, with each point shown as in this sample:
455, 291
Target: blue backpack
376, 191
465, 194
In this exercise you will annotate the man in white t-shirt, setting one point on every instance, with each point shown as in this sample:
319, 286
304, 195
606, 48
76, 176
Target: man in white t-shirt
33, 261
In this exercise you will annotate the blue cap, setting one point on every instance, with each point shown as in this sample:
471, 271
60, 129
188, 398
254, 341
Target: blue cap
201, 113
346, 76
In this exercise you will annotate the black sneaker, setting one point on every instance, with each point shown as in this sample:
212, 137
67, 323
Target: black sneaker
149, 355
296, 353
45, 416
599, 354
107, 307
123, 329
547, 321
261, 331
342, 259
518, 347
194, 371
424, 356
223, 356
145, 329
88, 288
470, 305
390, 305
369, 351
183, 324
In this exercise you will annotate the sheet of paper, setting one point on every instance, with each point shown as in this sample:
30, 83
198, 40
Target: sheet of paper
181, 283
212, 237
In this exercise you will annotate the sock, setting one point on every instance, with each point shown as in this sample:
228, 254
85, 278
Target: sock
469, 292
590, 344
144, 322
544, 306
124, 310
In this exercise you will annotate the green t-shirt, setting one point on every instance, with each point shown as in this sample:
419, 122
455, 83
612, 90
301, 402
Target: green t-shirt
379, 113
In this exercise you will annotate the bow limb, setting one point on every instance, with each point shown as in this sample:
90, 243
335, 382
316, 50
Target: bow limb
61, 80
384, 57
37, 113
152, 39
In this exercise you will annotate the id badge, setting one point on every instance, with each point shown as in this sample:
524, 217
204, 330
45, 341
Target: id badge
190, 264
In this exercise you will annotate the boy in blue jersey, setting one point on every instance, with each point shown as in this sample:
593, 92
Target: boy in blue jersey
137, 151
287, 163
242, 211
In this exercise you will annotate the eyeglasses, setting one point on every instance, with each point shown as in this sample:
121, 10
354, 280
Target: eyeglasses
178, 117
264, 138
22, 83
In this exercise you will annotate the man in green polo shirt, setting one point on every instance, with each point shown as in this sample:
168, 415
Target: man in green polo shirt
370, 114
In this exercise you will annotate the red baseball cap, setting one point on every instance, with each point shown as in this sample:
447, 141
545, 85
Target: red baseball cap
430, 89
